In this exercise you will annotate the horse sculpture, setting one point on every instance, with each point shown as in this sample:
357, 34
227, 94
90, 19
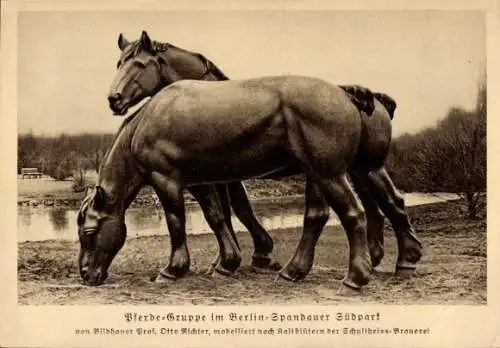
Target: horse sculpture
199, 132
161, 63
193, 133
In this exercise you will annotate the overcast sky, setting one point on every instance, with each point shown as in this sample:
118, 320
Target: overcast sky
426, 60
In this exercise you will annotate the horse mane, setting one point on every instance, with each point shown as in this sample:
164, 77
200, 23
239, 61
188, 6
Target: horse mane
360, 96
214, 69
160, 47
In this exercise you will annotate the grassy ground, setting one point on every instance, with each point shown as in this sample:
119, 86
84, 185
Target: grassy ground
452, 271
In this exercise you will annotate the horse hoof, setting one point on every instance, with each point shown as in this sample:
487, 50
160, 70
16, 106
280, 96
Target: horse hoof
280, 280
348, 289
222, 271
260, 270
261, 261
275, 266
290, 276
165, 277
376, 255
404, 272
376, 261
269, 269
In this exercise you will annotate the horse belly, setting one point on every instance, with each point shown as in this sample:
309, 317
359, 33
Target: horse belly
250, 159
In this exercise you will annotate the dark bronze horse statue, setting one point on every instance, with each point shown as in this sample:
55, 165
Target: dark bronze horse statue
161, 63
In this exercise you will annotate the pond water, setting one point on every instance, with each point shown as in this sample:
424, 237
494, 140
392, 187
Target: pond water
35, 224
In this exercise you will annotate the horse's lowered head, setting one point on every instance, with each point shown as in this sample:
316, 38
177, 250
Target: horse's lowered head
101, 234
146, 66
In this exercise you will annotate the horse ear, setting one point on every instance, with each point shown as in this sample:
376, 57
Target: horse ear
99, 198
146, 42
122, 42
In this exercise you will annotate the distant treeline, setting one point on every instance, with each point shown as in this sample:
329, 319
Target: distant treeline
64, 155
450, 157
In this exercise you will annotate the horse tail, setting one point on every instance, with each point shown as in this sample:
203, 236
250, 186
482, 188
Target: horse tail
360, 96
387, 102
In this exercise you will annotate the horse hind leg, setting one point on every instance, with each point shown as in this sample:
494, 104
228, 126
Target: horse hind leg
341, 197
374, 220
338, 194
263, 243
315, 218
393, 206
223, 192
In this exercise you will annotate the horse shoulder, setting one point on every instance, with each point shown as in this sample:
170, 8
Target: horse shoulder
150, 144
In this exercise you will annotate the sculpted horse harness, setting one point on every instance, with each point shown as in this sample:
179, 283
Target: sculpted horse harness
286, 122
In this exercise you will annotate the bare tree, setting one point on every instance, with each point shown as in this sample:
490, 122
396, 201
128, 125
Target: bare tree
463, 137
450, 157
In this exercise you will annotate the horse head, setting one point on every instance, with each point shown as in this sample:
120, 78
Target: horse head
101, 235
146, 66
139, 74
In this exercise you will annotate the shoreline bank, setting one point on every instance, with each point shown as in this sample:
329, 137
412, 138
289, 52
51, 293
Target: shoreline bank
139, 202
144, 201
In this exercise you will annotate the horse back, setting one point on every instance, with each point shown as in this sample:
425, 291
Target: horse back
237, 123
192, 108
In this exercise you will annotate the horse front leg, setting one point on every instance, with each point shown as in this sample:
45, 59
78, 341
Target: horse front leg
263, 243
393, 206
229, 250
169, 192
374, 219
315, 218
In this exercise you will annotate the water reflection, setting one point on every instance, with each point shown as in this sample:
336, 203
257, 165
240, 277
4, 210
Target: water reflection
59, 218
60, 223
23, 217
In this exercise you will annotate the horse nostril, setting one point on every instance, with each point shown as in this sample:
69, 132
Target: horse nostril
114, 98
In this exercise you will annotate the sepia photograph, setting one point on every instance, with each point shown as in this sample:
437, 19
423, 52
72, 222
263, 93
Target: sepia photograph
216, 159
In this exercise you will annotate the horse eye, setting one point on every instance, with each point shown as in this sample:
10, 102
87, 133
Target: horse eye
139, 64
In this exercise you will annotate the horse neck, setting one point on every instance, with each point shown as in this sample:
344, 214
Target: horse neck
118, 175
199, 67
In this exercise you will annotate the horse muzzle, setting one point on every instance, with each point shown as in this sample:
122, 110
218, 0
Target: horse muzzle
94, 277
117, 104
